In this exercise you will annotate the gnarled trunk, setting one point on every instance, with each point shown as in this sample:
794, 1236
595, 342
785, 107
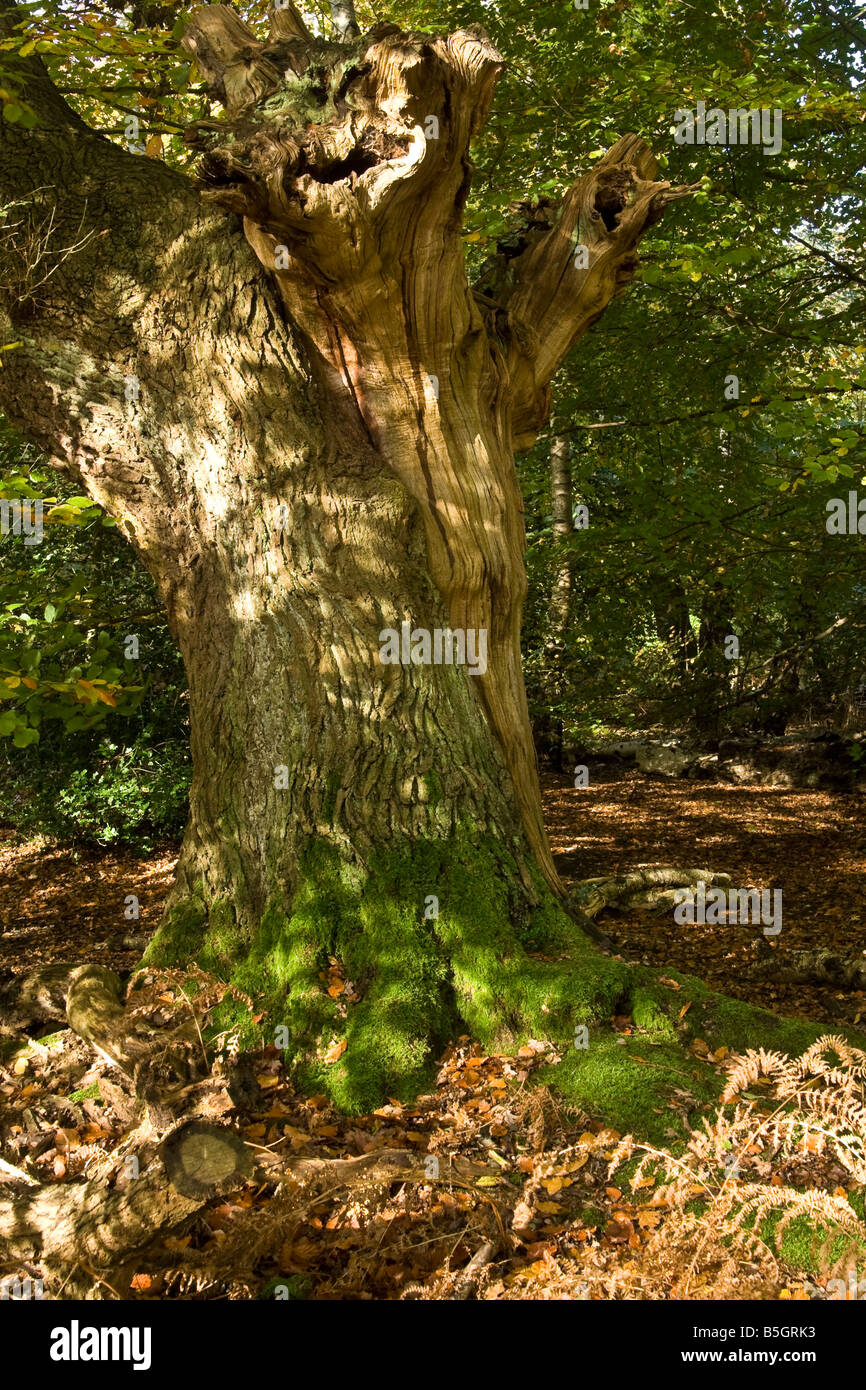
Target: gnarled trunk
318, 450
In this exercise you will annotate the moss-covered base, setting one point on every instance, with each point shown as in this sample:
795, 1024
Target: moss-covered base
441, 940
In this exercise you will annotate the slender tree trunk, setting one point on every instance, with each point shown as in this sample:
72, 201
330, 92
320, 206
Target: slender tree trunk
550, 733
674, 628
563, 529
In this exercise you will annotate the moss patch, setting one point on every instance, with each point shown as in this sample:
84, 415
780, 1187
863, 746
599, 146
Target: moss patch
430, 938
438, 939
630, 1082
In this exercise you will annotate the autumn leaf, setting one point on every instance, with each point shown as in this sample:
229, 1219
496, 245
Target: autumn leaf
648, 1218
618, 1231
335, 1051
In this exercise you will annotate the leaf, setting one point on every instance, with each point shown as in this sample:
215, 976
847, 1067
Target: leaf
335, 1051
618, 1231
648, 1218
94, 693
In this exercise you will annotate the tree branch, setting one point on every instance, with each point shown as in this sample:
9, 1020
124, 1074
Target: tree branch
553, 291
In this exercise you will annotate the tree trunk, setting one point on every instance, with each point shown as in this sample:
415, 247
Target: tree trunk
674, 628
563, 529
549, 729
307, 450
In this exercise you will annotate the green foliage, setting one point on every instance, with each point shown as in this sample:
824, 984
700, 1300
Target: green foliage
95, 744
94, 790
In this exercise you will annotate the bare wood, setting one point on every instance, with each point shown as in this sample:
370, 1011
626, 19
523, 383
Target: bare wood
552, 299
101, 1223
230, 56
286, 23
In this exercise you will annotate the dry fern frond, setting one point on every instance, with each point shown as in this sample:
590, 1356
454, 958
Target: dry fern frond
724, 1229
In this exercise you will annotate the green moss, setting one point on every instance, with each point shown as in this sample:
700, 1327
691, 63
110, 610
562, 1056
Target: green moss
429, 936
178, 939
333, 782
629, 1083
90, 1092
432, 787
809, 1245
726, 1022
291, 1288
435, 939
650, 1012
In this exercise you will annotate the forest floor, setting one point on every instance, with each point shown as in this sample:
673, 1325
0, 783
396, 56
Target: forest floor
60, 903
520, 1179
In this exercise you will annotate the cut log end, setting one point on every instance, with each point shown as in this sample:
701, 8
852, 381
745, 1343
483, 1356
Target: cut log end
203, 1160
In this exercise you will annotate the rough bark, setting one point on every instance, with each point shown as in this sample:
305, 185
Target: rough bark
101, 1223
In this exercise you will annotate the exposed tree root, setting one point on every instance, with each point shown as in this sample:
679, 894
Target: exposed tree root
821, 967
649, 887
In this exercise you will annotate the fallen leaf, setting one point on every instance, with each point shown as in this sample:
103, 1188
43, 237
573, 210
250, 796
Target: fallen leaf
619, 1230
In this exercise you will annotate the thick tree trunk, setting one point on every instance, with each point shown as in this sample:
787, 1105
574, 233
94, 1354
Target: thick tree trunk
309, 449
